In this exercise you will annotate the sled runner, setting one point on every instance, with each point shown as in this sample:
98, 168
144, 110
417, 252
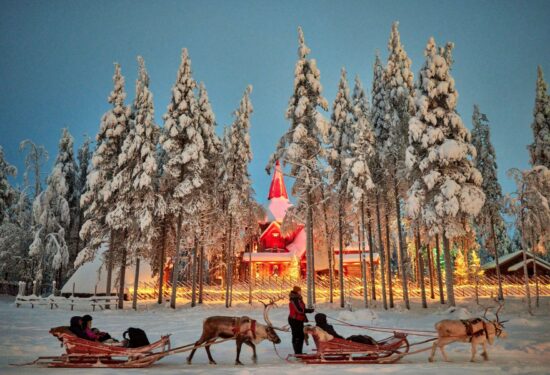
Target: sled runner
340, 351
81, 353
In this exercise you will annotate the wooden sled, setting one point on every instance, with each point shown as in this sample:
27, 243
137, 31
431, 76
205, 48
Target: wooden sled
340, 351
81, 353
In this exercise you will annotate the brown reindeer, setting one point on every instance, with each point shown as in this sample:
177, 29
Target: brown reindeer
243, 329
477, 331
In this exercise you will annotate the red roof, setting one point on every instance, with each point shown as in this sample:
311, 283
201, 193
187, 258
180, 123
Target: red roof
277, 188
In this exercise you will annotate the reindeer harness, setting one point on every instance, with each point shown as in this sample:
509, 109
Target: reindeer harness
469, 323
237, 323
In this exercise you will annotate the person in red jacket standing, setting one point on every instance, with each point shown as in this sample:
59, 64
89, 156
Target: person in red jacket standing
297, 317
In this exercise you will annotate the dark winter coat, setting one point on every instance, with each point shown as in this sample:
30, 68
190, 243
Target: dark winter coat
321, 322
76, 327
297, 308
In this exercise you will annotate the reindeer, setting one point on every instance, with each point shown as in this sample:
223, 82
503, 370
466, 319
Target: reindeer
243, 329
477, 331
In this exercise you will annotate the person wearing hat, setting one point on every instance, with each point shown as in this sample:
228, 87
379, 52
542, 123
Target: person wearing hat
297, 317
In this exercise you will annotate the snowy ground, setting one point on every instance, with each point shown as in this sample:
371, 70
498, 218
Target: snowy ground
24, 336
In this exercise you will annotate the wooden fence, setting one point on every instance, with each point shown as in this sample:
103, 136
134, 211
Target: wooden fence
279, 287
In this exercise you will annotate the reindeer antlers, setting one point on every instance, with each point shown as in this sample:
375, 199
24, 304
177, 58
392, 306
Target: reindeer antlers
267, 307
500, 306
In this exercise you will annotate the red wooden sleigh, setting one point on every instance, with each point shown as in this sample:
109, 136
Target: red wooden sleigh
340, 351
81, 353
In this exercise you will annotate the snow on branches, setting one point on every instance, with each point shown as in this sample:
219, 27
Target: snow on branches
446, 186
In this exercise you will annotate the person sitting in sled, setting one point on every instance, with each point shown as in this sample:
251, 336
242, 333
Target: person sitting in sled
296, 318
93, 334
321, 322
76, 327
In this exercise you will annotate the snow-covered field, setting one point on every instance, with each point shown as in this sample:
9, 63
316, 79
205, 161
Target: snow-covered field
24, 336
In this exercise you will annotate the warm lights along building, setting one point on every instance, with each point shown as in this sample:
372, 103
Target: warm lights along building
283, 255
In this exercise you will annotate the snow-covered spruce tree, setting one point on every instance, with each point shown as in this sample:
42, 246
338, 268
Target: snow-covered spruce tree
399, 87
184, 147
447, 191
51, 216
301, 145
135, 181
490, 217
237, 156
99, 199
529, 204
84, 159
360, 180
34, 160
379, 116
211, 211
540, 148
65, 158
338, 157
7, 192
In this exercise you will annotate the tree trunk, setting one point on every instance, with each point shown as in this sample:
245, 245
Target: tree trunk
194, 274
201, 274
136, 285
448, 271
176, 268
250, 276
420, 267
431, 270
122, 278
341, 254
438, 264
229, 263
164, 235
495, 250
330, 252
401, 249
313, 275
526, 281
309, 248
371, 255
388, 255
533, 241
108, 285
381, 252
363, 257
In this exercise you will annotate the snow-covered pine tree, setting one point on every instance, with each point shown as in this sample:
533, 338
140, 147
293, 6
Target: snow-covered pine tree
7, 193
135, 181
360, 182
490, 219
65, 158
84, 159
301, 145
184, 147
339, 156
399, 87
379, 115
529, 204
213, 154
237, 156
34, 160
540, 148
447, 192
51, 216
99, 198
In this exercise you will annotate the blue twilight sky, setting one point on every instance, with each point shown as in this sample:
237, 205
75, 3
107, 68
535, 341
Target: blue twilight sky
56, 60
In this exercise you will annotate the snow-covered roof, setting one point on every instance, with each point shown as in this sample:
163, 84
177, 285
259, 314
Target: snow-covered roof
94, 273
519, 265
296, 248
356, 258
277, 188
507, 257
